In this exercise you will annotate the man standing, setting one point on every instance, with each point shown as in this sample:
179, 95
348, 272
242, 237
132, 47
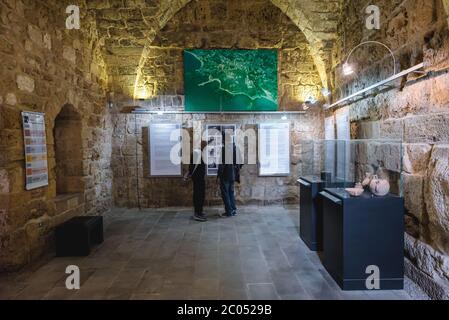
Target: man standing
197, 171
228, 173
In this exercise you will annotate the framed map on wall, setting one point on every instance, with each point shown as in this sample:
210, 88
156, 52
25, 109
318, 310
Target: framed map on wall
231, 80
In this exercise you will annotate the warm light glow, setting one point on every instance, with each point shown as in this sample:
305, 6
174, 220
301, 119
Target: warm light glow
347, 69
326, 92
142, 93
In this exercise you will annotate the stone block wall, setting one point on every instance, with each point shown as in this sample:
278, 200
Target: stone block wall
45, 67
415, 109
211, 24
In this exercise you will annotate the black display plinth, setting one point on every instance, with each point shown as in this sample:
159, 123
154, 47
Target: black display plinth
364, 231
310, 211
76, 236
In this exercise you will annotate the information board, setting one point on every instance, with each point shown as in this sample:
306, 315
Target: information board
35, 150
215, 134
274, 149
165, 149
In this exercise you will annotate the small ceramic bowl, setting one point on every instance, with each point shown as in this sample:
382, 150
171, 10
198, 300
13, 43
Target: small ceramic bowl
355, 192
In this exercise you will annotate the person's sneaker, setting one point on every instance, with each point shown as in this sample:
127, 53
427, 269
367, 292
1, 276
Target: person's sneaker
225, 215
234, 213
200, 218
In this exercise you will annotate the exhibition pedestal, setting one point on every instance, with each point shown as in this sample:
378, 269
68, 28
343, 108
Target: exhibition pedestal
363, 235
311, 226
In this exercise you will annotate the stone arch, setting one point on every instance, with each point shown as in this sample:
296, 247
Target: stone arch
446, 8
68, 152
298, 17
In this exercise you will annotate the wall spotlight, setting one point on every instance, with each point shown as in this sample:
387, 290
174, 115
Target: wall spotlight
347, 69
305, 106
326, 92
311, 100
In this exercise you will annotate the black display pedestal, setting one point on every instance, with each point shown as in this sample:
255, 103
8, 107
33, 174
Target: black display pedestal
311, 226
78, 235
364, 231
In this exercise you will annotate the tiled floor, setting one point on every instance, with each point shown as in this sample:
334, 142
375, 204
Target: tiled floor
163, 254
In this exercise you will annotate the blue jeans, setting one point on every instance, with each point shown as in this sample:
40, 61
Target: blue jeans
227, 194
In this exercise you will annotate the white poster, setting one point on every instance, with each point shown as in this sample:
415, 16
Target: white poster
165, 149
215, 142
274, 149
35, 150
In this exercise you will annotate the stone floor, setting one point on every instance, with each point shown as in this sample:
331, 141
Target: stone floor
164, 254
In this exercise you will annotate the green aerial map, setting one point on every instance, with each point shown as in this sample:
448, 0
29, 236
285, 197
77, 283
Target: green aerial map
230, 80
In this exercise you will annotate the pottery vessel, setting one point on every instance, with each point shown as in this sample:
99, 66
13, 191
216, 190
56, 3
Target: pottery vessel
366, 182
355, 192
379, 187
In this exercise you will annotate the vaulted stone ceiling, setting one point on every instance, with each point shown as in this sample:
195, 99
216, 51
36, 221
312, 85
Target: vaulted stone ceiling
128, 28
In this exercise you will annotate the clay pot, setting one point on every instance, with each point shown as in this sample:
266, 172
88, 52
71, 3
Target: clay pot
366, 182
379, 187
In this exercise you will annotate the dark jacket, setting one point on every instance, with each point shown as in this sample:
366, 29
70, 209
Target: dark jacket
229, 172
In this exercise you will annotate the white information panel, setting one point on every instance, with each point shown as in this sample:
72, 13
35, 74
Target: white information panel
215, 134
274, 149
165, 138
35, 150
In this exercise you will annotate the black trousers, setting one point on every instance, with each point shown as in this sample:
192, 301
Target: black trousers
199, 195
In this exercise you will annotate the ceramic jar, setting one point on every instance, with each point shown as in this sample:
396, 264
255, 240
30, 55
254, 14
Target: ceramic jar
379, 187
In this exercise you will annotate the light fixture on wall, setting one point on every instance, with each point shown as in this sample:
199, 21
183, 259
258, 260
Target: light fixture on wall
110, 98
284, 117
348, 69
311, 100
326, 92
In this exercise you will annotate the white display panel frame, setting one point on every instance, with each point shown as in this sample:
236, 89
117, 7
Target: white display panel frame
212, 170
160, 146
35, 145
283, 133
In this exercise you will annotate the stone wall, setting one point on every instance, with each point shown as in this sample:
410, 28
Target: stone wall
415, 109
209, 24
131, 175
225, 25
43, 68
